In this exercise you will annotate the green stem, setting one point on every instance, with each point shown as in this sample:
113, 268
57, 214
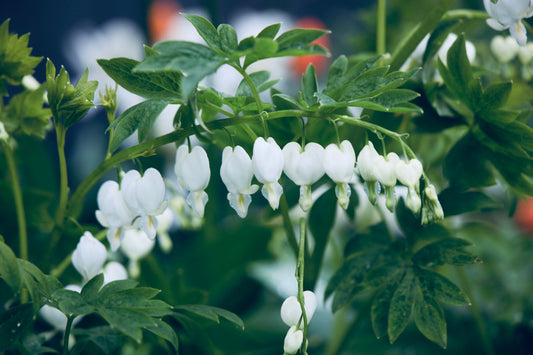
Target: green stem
63, 187
251, 84
476, 313
287, 224
70, 319
381, 34
300, 278
19, 203
76, 200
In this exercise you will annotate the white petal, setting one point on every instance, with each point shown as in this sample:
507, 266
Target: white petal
291, 310
366, 162
496, 25
150, 191
267, 160
197, 200
128, 187
113, 271
192, 168
236, 170
136, 244
89, 256
293, 340
240, 203
339, 162
409, 173
518, 31
272, 192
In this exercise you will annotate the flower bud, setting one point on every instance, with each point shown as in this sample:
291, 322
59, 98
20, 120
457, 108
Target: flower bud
89, 256
409, 173
293, 340
291, 311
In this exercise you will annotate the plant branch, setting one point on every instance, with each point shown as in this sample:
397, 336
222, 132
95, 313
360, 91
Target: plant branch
300, 264
381, 33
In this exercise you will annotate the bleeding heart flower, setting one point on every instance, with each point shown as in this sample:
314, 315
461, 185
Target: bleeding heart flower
267, 165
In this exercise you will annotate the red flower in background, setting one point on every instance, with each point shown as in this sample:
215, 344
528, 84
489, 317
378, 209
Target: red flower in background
299, 64
524, 214
161, 14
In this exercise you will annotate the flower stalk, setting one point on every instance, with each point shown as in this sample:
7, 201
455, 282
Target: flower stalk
300, 278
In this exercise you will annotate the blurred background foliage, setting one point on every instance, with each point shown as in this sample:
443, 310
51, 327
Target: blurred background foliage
246, 266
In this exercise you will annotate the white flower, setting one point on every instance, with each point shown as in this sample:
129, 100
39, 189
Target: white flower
236, 173
504, 48
164, 222
304, 168
192, 169
525, 54
409, 174
267, 165
113, 271
386, 171
509, 14
136, 245
145, 196
367, 167
293, 340
291, 311
432, 209
339, 165
89, 256
113, 212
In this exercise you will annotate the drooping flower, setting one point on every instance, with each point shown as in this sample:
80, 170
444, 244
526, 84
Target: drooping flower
236, 173
267, 165
504, 48
113, 212
136, 245
386, 173
293, 340
339, 165
509, 14
113, 271
304, 167
89, 256
366, 164
192, 169
432, 209
291, 311
145, 196
409, 174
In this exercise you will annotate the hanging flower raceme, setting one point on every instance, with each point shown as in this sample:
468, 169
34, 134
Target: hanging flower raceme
113, 212
267, 165
386, 174
339, 165
509, 14
145, 196
304, 167
192, 169
236, 173
366, 164
89, 256
409, 173
291, 314
431, 209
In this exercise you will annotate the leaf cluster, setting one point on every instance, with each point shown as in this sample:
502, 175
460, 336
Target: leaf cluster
401, 274
15, 59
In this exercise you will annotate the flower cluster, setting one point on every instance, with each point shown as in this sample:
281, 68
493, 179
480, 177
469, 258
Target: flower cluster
291, 314
304, 165
509, 14
134, 204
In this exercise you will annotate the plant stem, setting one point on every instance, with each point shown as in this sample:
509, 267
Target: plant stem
251, 84
381, 34
19, 203
289, 231
300, 264
70, 319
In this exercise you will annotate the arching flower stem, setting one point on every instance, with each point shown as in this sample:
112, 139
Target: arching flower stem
300, 264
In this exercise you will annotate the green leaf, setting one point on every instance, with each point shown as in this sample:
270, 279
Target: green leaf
228, 38
15, 59
401, 305
440, 288
38, 284
14, 322
129, 321
336, 72
341, 76
495, 95
211, 313
445, 251
298, 41
116, 286
258, 78
105, 337
90, 290
455, 202
379, 311
309, 85
269, 31
288, 99
72, 302
165, 331
460, 70
206, 30
429, 319
194, 60
159, 85
394, 100
25, 115
140, 116
9, 270
263, 47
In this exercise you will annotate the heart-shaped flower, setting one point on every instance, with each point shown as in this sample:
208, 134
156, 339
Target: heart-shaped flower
291, 311
267, 165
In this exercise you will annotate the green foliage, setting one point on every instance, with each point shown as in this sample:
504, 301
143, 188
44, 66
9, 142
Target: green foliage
400, 273
25, 114
68, 103
15, 58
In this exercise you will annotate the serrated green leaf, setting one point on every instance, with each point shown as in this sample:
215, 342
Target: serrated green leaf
9, 270
72, 302
298, 39
336, 72
194, 60
309, 85
90, 290
342, 76
263, 47
455, 202
139, 117
211, 313
445, 251
105, 337
165, 331
129, 321
206, 30
401, 305
159, 85
495, 95
440, 288
228, 38
116, 286
38, 284
394, 100
379, 311
429, 319
14, 322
